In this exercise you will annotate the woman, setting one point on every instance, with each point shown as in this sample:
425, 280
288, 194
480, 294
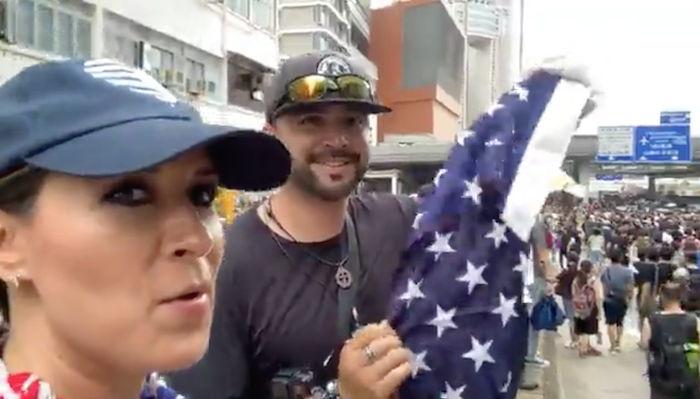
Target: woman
109, 243
596, 247
587, 296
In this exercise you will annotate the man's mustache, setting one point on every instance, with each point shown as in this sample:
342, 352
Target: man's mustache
329, 155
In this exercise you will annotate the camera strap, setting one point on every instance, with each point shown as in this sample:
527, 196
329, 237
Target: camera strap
347, 294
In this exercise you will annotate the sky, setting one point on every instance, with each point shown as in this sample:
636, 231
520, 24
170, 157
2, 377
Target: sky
645, 55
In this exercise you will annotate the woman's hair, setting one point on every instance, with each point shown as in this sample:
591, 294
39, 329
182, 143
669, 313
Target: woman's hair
18, 193
584, 270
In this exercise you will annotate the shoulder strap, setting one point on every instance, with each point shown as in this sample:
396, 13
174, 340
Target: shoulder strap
346, 296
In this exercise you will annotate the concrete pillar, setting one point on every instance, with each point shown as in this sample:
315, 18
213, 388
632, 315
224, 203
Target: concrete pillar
652, 185
98, 32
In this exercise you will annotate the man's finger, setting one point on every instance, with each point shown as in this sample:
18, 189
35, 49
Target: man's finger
394, 358
369, 333
392, 380
383, 345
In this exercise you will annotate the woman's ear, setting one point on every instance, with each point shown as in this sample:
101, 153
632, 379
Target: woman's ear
12, 254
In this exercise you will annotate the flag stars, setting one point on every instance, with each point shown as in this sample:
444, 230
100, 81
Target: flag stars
494, 143
463, 136
473, 276
441, 245
413, 291
438, 176
498, 234
472, 190
520, 91
452, 393
494, 108
416, 221
479, 353
418, 363
505, 309
443, 320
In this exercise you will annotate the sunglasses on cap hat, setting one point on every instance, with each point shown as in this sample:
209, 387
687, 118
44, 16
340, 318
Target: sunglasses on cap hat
317, 87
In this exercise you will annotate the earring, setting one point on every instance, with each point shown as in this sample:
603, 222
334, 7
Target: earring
14, 281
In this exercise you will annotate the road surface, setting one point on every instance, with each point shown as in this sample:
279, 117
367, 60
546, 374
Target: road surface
619, 376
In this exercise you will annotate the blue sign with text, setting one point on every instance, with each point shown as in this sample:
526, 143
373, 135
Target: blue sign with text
663, 144
644, 144
604, 177
674, 118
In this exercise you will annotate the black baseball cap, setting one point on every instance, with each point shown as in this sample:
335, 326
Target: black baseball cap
100, 118
316, 63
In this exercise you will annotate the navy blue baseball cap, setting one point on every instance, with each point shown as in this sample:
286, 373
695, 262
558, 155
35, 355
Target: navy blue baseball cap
100, 118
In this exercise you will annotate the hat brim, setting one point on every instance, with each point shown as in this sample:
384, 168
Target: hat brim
244, 159
359, 105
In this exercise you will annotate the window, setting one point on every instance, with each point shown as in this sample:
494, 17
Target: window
263, 13
240, 7
83, 40
25, 23
160, 60
46, 29
50, 28
195, 76
64, 36
321, 42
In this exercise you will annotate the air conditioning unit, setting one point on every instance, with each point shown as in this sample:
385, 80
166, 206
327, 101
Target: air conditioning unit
193, 87
168, 78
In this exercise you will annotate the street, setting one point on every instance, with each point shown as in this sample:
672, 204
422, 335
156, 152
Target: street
607, 377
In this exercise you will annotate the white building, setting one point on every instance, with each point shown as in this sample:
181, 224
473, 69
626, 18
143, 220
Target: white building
492, 40
216, 55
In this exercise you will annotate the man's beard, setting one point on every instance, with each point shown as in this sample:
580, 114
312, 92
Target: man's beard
304, 178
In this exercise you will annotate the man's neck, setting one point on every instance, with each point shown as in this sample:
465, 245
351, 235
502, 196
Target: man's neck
304, 217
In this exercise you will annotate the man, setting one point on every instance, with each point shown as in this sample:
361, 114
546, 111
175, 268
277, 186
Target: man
287, 260
541, 286
671, 338
618, 290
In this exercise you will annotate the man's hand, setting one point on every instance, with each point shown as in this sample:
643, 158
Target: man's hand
373, 364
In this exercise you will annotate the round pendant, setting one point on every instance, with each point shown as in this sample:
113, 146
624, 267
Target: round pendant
343, 277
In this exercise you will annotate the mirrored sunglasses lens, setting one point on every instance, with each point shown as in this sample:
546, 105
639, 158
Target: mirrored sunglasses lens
309, 88
354, 87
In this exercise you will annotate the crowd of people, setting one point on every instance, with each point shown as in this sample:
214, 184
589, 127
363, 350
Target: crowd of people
631, 254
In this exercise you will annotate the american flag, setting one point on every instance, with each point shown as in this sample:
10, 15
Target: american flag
457, 302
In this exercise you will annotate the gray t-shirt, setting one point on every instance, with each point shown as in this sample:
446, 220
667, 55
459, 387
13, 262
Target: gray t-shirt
538, 239
616, 279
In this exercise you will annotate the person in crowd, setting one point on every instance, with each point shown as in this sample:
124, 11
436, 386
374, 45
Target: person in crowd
109, 242
646, 282
565, 281
618, 290
596, 247
671, 339
587, 294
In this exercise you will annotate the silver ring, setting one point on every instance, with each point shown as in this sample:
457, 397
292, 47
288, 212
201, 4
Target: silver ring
369, 353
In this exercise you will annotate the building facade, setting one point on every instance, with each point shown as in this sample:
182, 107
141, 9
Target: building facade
212, 53
490, 45
418, 47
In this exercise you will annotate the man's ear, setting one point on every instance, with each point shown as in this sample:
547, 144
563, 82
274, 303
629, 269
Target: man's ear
12, 254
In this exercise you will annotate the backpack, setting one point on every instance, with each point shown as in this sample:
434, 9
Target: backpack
550, 239
673, 356
583, 300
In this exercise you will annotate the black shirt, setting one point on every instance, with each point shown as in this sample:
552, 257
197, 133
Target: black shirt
276, 306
